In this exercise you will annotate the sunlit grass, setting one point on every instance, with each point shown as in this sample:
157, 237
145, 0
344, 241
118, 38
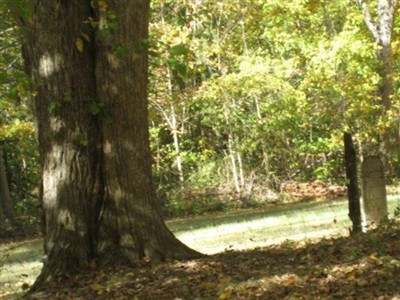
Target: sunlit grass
253, 229
19, 266
248, 229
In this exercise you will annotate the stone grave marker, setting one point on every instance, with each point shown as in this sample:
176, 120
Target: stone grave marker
373, 191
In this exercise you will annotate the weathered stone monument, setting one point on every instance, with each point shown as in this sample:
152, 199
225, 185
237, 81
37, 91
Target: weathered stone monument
373, 191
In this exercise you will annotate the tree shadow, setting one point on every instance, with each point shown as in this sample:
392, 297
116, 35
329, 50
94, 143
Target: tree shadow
213, 220
364, 267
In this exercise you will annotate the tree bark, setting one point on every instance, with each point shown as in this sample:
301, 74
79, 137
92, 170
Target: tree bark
130, 207
64, 83
353, 191
88, 65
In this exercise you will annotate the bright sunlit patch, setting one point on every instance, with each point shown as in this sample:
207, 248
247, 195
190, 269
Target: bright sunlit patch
243, 242
108, 148
288, 279
127, 241
264, 284
113, 61
65, 218
234, 227
52, 177
188, 265
49, 64
50, 189
20, 266
299, 224
56, 124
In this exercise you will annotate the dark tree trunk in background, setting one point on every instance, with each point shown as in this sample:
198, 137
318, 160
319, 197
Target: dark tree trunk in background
353, 191
88, 67
6, 203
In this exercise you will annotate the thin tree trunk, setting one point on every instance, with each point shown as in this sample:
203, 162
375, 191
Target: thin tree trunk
234, 171
177, 149
352, 183
158, 152
172, 121
265, 161
173, 124
330, 30
241, 172
6, 203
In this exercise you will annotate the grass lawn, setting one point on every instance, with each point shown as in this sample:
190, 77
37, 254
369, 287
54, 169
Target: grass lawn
248, 229
20, 262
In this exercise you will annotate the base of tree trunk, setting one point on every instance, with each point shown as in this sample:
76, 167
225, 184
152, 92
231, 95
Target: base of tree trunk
111, 259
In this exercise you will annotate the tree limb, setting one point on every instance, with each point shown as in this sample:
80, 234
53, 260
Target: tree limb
368, 19
393, 6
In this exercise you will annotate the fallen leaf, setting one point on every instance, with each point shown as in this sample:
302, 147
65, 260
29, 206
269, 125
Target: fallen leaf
79, 44
98, 288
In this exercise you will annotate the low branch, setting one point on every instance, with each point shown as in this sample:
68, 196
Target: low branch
393, 6
368, 20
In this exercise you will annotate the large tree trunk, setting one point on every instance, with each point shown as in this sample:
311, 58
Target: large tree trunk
130, 209
88, 67
64, 83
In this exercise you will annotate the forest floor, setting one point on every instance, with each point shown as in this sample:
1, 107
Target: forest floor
362, 267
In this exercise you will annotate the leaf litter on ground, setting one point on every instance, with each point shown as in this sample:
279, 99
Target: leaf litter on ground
366, 266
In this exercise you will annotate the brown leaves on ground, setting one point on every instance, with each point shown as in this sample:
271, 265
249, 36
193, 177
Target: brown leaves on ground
312, 190
363, 267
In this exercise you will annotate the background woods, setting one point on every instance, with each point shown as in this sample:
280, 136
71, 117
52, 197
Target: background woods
18, 147
243, 98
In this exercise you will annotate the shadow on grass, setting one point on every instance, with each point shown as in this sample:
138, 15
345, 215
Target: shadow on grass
342, 268
247, 215
270, 273
363, 267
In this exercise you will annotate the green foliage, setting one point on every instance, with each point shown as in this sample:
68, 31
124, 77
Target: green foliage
275, 83
180, 207
22, 8
268, 85
121, 51
17, 137
81, 139
54, 105
179, 50
21, 160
